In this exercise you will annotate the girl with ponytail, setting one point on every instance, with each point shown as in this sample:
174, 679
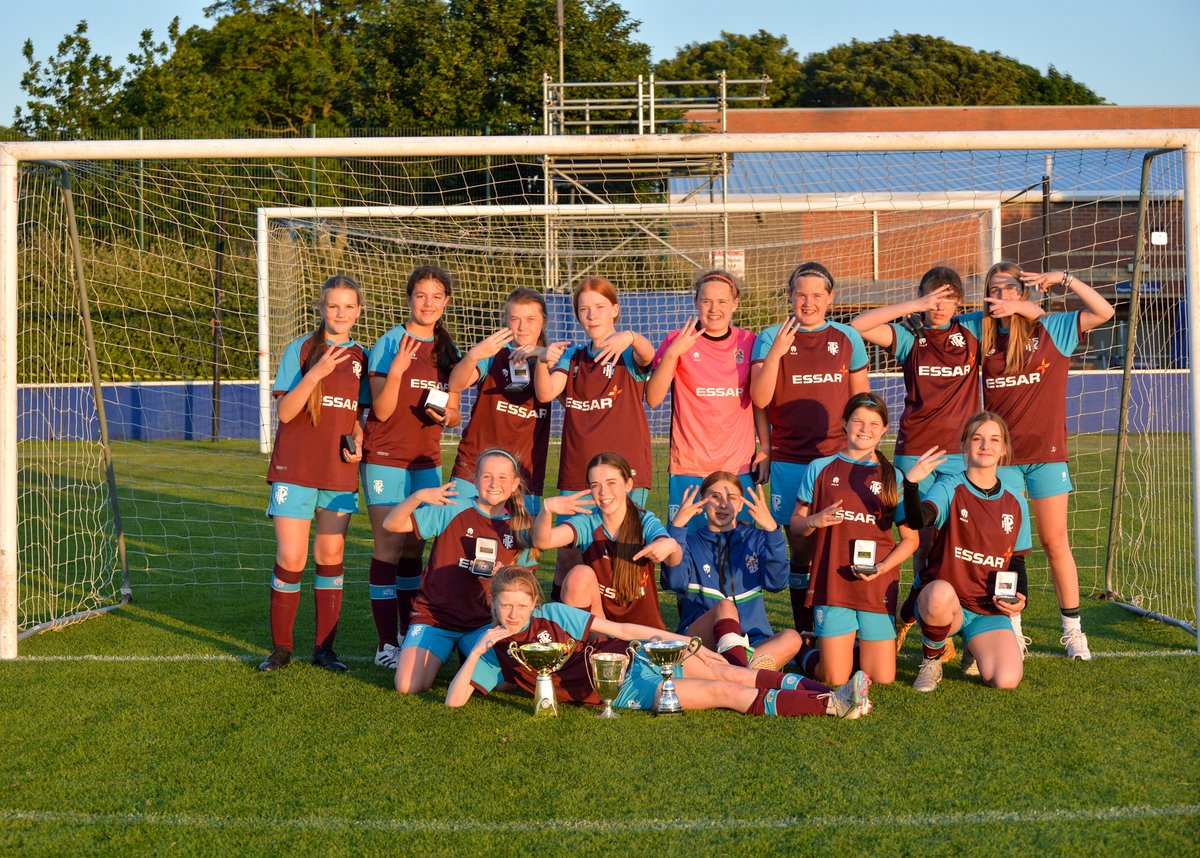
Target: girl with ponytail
321, 392
473, 536
403, 445
619, 543
849, 502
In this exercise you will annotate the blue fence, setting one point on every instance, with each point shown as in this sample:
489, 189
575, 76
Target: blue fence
183, 410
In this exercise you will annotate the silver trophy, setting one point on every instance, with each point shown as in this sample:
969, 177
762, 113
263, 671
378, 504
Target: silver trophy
665, 655
545, 658
607, 670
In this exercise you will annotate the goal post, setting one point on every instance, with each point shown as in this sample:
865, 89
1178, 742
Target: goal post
498, 212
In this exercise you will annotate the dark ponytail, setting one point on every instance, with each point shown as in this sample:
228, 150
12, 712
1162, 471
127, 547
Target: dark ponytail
627, 572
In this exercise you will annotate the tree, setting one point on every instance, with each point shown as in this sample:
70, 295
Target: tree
73, 90
740, 57
915, 70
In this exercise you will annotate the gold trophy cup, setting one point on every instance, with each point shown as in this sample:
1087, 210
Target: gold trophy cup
606, 670
665, 655
545, 658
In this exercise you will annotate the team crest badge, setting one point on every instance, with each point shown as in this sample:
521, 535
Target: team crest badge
776, 502
1032, 345
1006, 522
608, 370
281, 494
833, 348
544, 637
751, 562
508, 541
377, 486
876, 487
958, 340
357, 367
707, 569
739, 357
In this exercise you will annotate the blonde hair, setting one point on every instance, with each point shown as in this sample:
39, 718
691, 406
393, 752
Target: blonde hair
316, 342
520, 520
1020, 329
518, 578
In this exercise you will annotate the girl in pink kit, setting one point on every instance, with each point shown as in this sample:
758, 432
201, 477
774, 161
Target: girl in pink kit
705, 366
805, 369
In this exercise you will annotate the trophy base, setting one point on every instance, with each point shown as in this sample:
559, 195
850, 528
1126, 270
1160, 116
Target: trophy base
544, 702
607, 712
667, 702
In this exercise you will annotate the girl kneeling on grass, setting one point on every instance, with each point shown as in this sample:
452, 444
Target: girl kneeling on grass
619, 541
472, 538
725, 568
983, 532
847, 502
704, 682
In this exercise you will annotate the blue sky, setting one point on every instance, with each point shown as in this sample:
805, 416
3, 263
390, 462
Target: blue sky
1129, 53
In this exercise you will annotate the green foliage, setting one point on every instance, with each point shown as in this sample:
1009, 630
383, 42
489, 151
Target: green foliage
73, 89
741, 58
910, 70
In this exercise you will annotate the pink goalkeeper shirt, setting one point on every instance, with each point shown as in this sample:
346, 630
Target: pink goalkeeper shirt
712, 419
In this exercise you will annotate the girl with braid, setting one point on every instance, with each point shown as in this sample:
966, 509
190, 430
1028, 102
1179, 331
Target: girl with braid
403, 445
321, 391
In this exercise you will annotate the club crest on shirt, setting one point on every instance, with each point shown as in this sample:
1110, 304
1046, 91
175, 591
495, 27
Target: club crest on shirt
1032, 345
739, 356
832, 348
609, 369
876, 487
776, 502
707, 569
958, 340
281, 494
377, 486
357, 367
1006, 522
508, 541
751, 562
545, 637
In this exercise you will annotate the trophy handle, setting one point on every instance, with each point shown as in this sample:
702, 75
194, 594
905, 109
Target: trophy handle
634, 648
589, 669
693, 647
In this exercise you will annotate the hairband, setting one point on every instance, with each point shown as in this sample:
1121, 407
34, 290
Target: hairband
809, 272
717, 275
496, 451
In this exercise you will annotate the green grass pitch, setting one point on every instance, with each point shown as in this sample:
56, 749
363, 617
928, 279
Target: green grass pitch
148, 730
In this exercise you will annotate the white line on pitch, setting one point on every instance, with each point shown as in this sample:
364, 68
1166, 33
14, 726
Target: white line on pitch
364, 659
603, 826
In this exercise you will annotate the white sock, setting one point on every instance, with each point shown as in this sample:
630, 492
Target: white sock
732, 639
1016, 624
1071, 624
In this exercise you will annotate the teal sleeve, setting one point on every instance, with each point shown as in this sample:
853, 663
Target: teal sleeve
487, 673
290, 372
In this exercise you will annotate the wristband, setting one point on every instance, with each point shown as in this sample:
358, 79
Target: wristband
1067, 278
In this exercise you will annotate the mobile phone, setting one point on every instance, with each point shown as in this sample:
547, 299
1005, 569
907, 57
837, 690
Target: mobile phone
349, 445
1006, 587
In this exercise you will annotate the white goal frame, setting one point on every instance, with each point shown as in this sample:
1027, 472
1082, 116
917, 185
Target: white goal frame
13, 154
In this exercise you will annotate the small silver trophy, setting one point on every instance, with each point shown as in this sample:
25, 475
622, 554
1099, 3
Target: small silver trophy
606, 670
665, 655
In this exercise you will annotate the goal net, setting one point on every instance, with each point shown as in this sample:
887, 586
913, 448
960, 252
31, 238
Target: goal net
195, 263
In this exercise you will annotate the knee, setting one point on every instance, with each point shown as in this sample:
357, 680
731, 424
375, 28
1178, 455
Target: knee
292, 559
1006, 676
407, 682
937, 601
725, 610
329, 555
411, 547
579, 584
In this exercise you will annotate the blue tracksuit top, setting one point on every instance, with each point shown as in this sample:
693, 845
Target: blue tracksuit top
752, 561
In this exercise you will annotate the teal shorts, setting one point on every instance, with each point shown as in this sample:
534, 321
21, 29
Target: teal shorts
1037, 481
956, 463
831, 621
440, 642
289, 500
387, 486
976, 624
641, 683
677, 484
466, 489
785, 484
